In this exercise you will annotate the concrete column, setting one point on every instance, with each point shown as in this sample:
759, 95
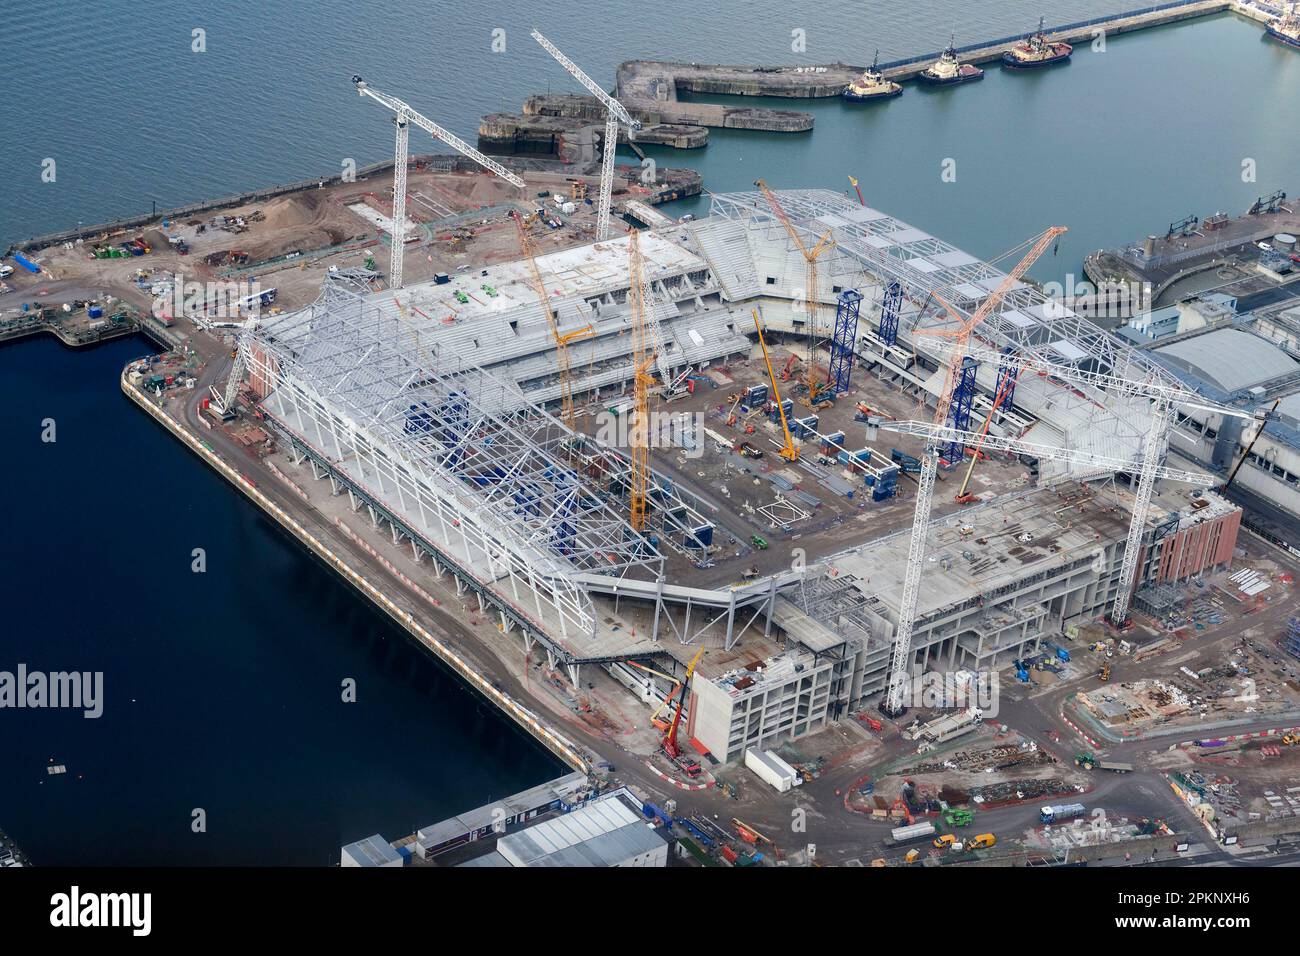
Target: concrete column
415, 551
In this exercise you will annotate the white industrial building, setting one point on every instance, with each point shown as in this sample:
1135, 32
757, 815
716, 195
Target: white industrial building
1236, 365
610, 831
370, 852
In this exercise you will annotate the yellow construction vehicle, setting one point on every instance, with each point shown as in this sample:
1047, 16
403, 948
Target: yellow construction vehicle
912, 856
1291, 739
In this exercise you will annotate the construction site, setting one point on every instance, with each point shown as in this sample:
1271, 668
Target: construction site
710, 497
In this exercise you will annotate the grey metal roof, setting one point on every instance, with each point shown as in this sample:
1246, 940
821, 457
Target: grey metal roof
1230, 359
372, 851
602, 833
1289, 410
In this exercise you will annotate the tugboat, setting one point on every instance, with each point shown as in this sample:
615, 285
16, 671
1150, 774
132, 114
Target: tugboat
948, 69
1287, 28
1036, 52
872, 85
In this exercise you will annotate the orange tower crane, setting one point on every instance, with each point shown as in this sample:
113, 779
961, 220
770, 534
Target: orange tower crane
562, 339
810, 290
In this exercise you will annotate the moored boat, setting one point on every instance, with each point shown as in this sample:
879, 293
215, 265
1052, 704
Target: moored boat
948, 69
872, 85
1036, 51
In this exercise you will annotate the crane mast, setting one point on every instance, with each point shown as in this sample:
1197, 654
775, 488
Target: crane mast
562, 339
897, 680
406, 115
788, 451
811, 281
643, 357
614, 114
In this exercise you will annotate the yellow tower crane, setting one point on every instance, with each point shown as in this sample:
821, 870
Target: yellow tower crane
810, 290
643, 359
789, 452
562, 339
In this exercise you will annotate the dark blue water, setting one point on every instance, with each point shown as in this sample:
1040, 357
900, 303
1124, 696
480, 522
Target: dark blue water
222, 689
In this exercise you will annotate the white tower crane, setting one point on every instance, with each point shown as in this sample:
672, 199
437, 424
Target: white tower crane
614, 114
405, 116
1164, 399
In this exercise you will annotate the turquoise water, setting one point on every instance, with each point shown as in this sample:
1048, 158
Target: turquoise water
1114, 145
113, 92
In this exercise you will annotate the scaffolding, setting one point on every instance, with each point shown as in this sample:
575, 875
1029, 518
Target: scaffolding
846, 335
1004, 392
963, 398
889, 311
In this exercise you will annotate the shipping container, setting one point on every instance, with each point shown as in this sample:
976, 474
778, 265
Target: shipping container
770, 768
917, 831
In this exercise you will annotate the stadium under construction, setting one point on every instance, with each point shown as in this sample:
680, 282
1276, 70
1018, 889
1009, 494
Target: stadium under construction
436, 409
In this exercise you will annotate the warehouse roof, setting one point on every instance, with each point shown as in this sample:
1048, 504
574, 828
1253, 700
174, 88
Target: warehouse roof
603, 833
1229, 359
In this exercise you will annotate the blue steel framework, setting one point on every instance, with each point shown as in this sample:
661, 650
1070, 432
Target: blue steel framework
846, 335
1008, 373
963, 397
889, 310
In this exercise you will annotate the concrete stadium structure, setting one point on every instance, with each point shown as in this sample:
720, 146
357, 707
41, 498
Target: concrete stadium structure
430, 413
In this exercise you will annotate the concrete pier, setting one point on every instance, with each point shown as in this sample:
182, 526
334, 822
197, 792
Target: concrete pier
652, 89
77, 330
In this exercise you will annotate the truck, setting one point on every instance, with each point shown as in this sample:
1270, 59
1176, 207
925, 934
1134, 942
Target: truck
981, 841
1088, 761
1056, 813
770, 768
910, 834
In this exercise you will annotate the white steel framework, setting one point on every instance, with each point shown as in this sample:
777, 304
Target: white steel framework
480, 475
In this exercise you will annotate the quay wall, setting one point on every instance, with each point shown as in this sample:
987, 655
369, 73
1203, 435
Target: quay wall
563, 748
